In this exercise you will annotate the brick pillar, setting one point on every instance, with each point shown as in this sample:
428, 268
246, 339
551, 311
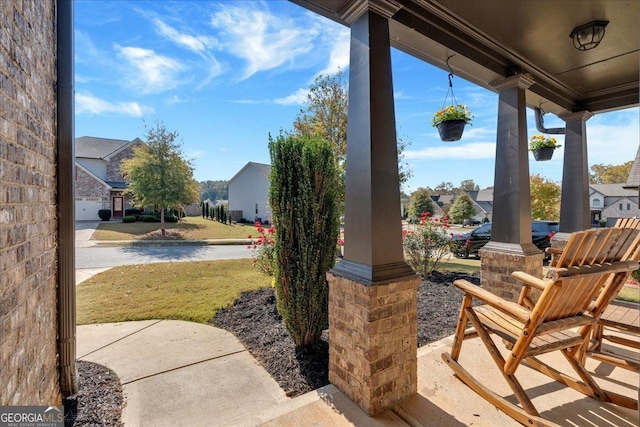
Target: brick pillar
373, 344
496, 268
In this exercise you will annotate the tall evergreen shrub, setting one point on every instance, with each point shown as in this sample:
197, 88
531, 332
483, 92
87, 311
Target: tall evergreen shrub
303, 199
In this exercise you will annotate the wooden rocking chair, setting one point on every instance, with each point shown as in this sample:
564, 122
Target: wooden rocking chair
533, 328
618, 316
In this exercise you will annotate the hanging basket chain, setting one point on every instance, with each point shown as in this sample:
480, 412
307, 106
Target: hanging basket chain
450, 90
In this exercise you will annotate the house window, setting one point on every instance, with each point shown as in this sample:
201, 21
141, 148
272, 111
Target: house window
596, 202
620, 206
257, 208
628, 206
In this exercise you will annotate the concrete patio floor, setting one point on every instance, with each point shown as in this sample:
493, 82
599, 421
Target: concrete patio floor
181, 373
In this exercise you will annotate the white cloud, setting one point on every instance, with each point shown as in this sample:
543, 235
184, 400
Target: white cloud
90, 105
197, 44
174, 99
152, 73
401, 95
340, 38
194, 154
478, 150
263, 40
299, 97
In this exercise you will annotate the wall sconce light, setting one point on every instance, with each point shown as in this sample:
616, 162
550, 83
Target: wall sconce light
588, 36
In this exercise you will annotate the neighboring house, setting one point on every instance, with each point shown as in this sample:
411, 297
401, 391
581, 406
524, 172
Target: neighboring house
249, 193
482, 202
99, 182
612, 201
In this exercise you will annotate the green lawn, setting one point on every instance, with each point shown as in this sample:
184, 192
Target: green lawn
190, 228
191, 291
629, 293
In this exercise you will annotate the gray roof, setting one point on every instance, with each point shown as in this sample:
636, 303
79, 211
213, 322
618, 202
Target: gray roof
485, 195
485, 206
634, 176
117, 184
612, 190
90, 147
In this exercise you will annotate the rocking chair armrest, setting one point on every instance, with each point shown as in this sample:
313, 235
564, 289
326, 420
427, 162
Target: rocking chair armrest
529, 280
493, 300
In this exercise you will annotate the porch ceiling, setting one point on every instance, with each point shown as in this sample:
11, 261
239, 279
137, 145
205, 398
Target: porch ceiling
493, 39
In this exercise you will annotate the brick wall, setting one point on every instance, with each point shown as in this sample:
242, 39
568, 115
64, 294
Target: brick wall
28, 355
113, 166
87, 186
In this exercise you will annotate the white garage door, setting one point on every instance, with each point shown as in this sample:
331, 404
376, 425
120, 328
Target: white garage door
87, 208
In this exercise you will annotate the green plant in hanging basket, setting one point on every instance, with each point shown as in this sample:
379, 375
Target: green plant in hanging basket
539, 141
452, 112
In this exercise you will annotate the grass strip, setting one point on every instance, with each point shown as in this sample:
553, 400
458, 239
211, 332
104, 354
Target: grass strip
191, 291
190, 228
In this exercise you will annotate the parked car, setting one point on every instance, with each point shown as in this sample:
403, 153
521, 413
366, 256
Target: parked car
472, 221
465, 244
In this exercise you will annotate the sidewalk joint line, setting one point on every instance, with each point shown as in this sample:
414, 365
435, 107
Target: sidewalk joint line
183, 366
119, 339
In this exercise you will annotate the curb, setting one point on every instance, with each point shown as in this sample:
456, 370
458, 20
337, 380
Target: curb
211, 242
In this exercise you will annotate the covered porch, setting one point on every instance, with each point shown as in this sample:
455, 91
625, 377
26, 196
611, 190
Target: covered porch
523, 52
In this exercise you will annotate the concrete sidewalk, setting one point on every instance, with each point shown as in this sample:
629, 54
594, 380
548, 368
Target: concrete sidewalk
177, 373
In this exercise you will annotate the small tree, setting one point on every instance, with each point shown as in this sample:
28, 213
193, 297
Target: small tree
303, 199
157, 175
545, 198
204, 209
462, 208
421, 202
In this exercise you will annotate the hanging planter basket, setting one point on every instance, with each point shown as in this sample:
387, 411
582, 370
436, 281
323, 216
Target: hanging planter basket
451, 120
451, 130
543, 147
543, 154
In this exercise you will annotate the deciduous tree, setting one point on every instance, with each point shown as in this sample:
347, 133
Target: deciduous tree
545, 198
610, 174
325, 115
157, 175
468, 185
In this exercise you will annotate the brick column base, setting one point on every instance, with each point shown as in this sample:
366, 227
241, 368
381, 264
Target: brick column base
373, 341
496, 267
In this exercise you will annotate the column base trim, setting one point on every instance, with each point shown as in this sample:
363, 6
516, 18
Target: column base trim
369, 275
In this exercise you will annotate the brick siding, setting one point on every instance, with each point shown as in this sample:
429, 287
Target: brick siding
28, 298
373, 341
113, 166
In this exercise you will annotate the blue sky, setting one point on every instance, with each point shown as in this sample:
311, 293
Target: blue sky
225, 74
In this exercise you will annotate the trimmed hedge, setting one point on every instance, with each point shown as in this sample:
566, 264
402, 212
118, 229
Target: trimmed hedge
104, 214
129, 218
150, 218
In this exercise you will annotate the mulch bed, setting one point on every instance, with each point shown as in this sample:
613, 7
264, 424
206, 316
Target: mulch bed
255, 321
99, 399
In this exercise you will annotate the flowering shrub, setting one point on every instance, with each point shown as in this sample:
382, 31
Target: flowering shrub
540, 141
263, 247
452, 112
427, 245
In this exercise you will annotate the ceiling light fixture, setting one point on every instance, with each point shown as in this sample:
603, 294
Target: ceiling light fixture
588, 36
